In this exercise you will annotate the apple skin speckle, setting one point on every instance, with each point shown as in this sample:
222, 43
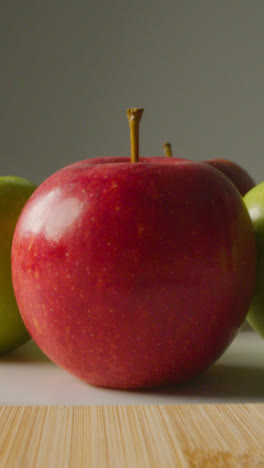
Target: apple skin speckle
146, 295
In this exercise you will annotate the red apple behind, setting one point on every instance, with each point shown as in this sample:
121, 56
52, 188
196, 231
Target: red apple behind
237, 174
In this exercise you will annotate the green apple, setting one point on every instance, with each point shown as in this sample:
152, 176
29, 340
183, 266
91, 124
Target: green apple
254, 200
14, 192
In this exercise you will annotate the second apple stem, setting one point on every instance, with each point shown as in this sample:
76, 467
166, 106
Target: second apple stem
167, 149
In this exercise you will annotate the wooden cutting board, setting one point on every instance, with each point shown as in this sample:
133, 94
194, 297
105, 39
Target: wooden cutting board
188, 436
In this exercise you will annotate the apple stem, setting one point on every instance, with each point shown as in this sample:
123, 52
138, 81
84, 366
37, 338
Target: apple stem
134, 116
167, 149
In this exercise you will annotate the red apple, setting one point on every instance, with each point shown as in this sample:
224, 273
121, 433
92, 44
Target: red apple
239, 176
132, 275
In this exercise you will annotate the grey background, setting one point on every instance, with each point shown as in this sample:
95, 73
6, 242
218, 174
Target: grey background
69, 70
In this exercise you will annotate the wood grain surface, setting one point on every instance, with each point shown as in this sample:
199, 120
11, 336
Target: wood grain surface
188, 436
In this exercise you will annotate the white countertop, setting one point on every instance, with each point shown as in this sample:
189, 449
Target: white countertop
28, 378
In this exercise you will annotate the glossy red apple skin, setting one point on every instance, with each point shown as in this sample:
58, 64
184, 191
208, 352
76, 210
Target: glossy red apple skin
134, 275
237, 174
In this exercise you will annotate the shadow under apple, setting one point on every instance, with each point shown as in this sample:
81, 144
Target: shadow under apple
220, 382
28, 353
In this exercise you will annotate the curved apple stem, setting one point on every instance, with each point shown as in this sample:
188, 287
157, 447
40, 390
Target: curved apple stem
167, 149
134, 116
